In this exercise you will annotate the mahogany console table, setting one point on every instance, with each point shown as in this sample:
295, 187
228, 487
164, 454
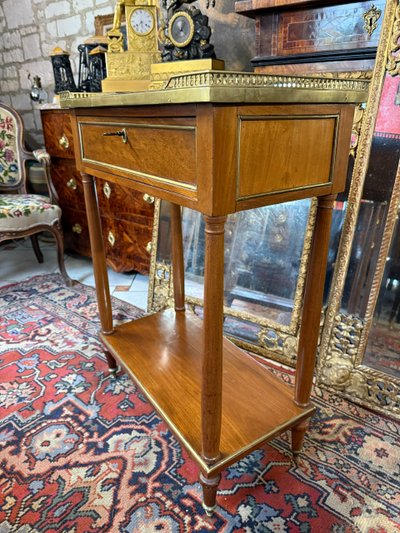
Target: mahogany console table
218, 143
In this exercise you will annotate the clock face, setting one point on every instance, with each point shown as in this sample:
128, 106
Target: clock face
181, 29
142, 21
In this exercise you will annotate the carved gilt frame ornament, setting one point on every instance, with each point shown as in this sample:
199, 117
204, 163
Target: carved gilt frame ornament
344, 337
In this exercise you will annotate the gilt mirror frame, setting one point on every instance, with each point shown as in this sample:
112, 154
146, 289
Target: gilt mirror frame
344, 336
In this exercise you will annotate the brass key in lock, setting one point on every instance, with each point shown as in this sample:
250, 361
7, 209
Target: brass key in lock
122, 133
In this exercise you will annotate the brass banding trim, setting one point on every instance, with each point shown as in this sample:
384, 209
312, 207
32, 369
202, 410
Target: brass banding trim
219, 465
264, 438
119, 124
281, 191
160, 179
179, 184
230, 87
259, 118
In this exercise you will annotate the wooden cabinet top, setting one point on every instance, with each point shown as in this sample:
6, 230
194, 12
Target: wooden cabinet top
221, 154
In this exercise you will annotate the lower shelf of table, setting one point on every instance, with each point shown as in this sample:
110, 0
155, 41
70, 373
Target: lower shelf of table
163, 355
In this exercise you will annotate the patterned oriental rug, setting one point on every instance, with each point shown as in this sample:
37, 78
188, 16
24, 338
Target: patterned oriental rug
83, 452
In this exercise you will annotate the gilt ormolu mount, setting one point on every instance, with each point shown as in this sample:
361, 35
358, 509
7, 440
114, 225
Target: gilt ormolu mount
187, 33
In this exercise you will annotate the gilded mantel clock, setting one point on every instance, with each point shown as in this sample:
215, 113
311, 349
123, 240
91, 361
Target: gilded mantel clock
185, 45
129, 70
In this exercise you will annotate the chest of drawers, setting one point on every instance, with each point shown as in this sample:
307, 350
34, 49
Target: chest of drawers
126, 215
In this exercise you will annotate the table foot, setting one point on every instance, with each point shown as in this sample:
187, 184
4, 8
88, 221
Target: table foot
209, 510
210, 486
298, 433
112, 363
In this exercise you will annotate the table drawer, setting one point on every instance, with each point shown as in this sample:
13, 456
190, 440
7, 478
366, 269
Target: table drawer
158, 153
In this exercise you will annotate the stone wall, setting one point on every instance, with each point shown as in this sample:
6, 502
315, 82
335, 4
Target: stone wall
30, 29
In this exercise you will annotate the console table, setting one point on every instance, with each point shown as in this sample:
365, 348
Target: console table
218, 143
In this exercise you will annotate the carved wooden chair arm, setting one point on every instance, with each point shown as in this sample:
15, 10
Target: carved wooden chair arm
42, 157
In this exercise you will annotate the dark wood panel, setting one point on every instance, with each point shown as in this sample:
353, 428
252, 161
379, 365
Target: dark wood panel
68, 183
324, 32
125, 204
56, 131
125, 245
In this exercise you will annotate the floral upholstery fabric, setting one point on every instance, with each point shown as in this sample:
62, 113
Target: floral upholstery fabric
24, 211
9, 171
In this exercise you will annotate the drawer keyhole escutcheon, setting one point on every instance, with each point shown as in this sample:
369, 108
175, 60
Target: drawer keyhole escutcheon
77, 228
149, 199
122, 133
71, 184
63, 142
107, 190
111, 238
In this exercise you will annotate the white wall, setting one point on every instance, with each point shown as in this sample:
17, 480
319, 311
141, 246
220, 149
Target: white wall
29, 30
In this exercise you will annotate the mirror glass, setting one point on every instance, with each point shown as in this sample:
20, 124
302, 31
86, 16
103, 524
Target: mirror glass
266, 254
263, 252
371, 226
383, 347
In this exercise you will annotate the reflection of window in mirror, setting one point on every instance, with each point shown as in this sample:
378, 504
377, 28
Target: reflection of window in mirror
377, 193
383, 348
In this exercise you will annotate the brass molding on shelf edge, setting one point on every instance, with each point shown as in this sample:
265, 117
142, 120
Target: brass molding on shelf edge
235, 87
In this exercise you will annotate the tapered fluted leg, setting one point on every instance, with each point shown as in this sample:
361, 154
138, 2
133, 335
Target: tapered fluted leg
98, 257
312, 304
211, 401
298, 433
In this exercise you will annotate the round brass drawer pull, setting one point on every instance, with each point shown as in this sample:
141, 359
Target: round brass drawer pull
149, 247
63, 142
111, 238
77, 228
71, 184
107, 190
149, 199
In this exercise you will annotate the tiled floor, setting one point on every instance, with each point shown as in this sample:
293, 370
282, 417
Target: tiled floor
18, 262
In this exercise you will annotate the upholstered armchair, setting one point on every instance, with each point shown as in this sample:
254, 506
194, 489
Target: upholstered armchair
23, 214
